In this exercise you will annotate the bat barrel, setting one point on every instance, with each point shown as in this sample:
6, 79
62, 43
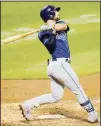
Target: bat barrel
17, 37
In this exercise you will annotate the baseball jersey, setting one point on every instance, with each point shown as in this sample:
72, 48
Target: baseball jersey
61, 46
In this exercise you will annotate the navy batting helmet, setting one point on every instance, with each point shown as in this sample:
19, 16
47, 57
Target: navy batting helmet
48, 12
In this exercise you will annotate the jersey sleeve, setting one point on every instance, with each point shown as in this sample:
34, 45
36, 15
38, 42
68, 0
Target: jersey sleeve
44, 36
63, 22
48, 39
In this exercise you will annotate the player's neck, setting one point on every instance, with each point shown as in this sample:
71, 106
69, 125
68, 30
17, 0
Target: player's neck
51, 22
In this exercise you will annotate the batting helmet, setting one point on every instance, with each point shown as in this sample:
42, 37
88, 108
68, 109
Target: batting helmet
48, 12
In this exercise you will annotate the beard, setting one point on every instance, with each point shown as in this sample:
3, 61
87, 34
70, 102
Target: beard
57, 18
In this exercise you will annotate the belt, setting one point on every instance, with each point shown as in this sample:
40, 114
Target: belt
66, 60
56, 59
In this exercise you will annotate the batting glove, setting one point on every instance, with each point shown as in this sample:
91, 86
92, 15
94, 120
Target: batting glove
46, 27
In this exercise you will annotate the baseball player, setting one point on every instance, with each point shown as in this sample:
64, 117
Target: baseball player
53, 35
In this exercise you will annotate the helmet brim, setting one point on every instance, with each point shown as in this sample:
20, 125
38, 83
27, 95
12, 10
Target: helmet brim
57, 8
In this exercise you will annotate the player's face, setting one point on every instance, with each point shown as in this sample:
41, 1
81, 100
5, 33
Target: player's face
57, 16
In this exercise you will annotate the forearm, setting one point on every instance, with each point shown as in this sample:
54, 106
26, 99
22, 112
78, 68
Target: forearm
60, 27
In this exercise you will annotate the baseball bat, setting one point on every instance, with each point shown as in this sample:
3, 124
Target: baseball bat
17, 37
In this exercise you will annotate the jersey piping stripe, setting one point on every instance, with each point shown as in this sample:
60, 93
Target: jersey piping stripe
73, 81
